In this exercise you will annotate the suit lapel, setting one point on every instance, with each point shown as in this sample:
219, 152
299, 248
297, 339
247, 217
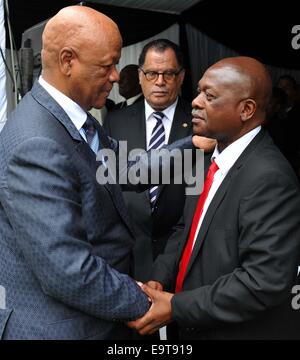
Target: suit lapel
137, 140
181, 127
182, 124
219, 196
44, 99
113, 189
87, 154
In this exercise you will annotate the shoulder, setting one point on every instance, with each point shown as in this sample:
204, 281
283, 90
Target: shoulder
184, 105
117, 115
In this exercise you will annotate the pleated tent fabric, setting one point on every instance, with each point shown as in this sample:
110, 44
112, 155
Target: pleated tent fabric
2, 70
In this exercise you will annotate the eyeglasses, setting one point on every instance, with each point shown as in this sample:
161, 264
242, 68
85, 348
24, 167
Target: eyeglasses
167, 76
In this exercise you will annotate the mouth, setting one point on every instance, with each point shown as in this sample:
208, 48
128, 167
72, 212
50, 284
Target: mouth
106, 92
197, 119
159, 93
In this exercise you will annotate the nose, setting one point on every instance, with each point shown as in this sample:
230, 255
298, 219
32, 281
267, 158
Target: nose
160, 80
114, 75
198, 102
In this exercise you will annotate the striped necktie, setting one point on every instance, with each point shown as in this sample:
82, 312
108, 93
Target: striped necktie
157, 141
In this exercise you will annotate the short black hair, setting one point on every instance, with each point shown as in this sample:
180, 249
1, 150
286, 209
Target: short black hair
279, 96
289, 78
161, 45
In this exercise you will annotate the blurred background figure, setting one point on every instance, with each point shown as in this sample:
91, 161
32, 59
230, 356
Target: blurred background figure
161, 73
291, 121
275, 117
129, 86
100, 114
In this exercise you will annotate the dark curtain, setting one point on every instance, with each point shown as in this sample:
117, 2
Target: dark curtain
261, 29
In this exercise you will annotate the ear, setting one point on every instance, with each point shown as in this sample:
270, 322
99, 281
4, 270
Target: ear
248, 109
181, 76
140, 76
66, 57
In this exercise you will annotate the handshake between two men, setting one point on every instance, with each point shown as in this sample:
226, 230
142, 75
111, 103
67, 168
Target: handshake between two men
160, 312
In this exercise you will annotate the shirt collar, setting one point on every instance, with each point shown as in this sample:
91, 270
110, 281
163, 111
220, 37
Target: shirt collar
168, 112
131, 100
73, 110
229, 155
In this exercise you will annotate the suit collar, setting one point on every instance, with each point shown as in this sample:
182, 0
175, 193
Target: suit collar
168, 112
231, 153
44, 99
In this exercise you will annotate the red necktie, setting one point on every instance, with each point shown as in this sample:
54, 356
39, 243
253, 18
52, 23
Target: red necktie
189, 245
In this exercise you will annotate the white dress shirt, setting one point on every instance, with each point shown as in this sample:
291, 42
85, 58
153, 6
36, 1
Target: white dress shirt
151, 121
225, 160
131, 100
73, 110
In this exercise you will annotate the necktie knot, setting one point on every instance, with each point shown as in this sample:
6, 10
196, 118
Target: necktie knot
213, 169
158, 116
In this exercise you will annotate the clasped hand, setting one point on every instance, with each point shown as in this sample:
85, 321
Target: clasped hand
160, 312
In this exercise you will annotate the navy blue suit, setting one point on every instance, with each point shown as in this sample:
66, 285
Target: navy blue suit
66, 241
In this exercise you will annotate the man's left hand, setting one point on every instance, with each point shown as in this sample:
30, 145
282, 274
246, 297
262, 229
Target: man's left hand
159, 314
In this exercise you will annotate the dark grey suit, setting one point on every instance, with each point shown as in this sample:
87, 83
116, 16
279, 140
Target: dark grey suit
66, 241
152, 230
240, 276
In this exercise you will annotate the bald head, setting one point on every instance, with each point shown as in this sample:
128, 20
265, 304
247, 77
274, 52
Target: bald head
78, 27
81, 47
248, 77
233, 98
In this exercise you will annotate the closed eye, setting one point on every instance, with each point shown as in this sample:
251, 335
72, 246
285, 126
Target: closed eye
209, 96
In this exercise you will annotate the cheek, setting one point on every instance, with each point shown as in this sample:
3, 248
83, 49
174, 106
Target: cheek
146, 88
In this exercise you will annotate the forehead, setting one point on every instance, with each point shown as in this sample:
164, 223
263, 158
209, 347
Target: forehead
105, 51
166, 57
219, 77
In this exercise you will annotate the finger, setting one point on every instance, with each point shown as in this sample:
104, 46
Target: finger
150, 328
145, 322
155, 285
149, 291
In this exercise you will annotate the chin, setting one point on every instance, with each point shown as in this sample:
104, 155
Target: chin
99, 104
198, 130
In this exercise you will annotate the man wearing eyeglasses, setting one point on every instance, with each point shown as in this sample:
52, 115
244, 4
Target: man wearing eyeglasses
161, 118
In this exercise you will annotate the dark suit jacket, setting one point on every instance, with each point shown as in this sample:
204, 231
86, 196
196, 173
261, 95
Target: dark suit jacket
65, 241
240, 276
152, 230
120, 105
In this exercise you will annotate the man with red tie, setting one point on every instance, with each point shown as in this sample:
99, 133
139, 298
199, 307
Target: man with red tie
231, 276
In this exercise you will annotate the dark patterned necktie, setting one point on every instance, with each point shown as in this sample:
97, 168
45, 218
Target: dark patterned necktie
89, 129
157, 141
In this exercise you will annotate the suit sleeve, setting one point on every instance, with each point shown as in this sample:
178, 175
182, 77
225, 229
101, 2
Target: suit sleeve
147, 168
44, 209
268, 248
